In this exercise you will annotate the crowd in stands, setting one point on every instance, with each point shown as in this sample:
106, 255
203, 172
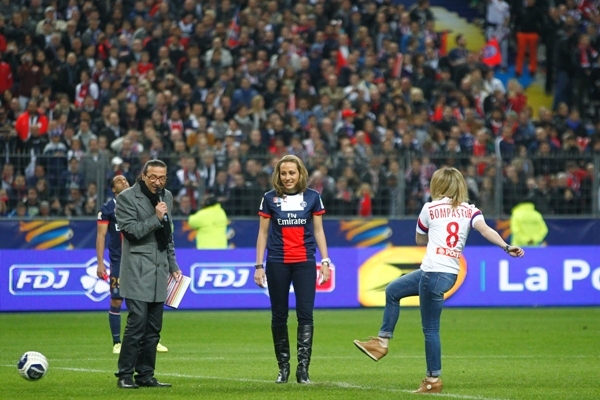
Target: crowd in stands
567, 30
369, 94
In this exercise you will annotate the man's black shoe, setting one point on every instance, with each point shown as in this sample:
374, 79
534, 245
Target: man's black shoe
152, 382
126, 383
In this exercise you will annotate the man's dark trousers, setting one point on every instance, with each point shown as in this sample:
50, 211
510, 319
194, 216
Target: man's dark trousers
138, 350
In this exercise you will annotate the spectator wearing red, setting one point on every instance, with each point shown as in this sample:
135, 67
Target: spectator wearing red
517, 100
144, 65
27, 119
6, 76
528, 26
2, 37
365, 203
86, 88
175, 123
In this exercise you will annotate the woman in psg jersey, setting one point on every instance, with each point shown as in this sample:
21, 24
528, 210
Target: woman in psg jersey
443, 226
293, 213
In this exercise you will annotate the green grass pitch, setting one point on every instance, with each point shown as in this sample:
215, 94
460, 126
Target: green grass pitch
488, 354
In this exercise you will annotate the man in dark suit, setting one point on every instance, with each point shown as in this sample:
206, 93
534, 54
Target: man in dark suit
143, 215
68, 76
113, 130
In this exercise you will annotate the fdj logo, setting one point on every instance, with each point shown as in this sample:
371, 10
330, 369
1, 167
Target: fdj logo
208, 278
234, 278
58, 280
42, 279
221, 277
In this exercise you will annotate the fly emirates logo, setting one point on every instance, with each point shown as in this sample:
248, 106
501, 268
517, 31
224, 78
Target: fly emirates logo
449, 212
292, 219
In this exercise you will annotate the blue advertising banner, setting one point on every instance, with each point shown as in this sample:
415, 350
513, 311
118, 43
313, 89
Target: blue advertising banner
553, 276
67, 234
222, 279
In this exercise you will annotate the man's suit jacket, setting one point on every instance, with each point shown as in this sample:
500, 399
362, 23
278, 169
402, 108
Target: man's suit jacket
144, 269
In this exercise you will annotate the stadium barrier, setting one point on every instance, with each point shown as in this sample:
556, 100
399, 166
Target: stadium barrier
65, 234
563, 184
222, 279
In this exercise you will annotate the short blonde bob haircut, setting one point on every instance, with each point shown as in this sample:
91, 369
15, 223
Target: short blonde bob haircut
449, 182
302, 181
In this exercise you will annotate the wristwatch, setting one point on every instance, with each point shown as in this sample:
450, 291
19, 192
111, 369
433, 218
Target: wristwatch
326, 261
506, 248
258, 266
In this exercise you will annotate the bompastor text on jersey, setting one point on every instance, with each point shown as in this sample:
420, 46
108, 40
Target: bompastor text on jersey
449, 212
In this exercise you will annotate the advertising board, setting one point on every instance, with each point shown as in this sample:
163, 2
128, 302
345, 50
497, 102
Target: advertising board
61, 280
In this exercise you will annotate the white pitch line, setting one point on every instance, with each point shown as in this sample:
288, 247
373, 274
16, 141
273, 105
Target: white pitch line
116, 357
345, 385
325, 357
341, 385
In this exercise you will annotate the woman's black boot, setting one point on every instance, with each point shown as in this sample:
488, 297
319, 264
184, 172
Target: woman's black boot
281, 342
305, 336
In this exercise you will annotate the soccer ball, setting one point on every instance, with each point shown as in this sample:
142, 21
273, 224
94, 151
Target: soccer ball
32, 366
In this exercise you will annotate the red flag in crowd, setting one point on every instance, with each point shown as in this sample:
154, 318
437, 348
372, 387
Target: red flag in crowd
233, 34
490, 54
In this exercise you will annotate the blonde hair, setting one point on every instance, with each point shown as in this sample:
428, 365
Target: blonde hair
449, 182
416, 94
255, 100
364, 187
514, 86
302, 181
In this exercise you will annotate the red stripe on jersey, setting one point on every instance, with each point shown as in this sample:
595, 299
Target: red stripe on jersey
319, 212
262, 214
294, 249
101, 222
421, 226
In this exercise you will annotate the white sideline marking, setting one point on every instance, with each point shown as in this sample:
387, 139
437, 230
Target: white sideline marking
323, 357
116, 357
341, 385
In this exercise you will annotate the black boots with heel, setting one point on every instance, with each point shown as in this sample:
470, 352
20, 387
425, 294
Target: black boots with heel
281, 342
305, 337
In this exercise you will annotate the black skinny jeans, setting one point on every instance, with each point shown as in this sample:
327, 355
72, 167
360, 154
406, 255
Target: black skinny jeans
303, 275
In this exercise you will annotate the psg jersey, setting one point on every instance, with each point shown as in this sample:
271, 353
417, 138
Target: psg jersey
291, 237
107, 215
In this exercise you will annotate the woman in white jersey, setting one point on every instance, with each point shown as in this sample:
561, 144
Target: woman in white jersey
443, 226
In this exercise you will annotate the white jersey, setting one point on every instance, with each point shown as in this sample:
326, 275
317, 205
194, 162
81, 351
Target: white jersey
448, 229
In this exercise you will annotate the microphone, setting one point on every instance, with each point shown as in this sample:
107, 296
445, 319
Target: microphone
160, 199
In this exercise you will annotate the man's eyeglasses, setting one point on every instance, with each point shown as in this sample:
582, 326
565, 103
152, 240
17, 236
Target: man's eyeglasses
154, 178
